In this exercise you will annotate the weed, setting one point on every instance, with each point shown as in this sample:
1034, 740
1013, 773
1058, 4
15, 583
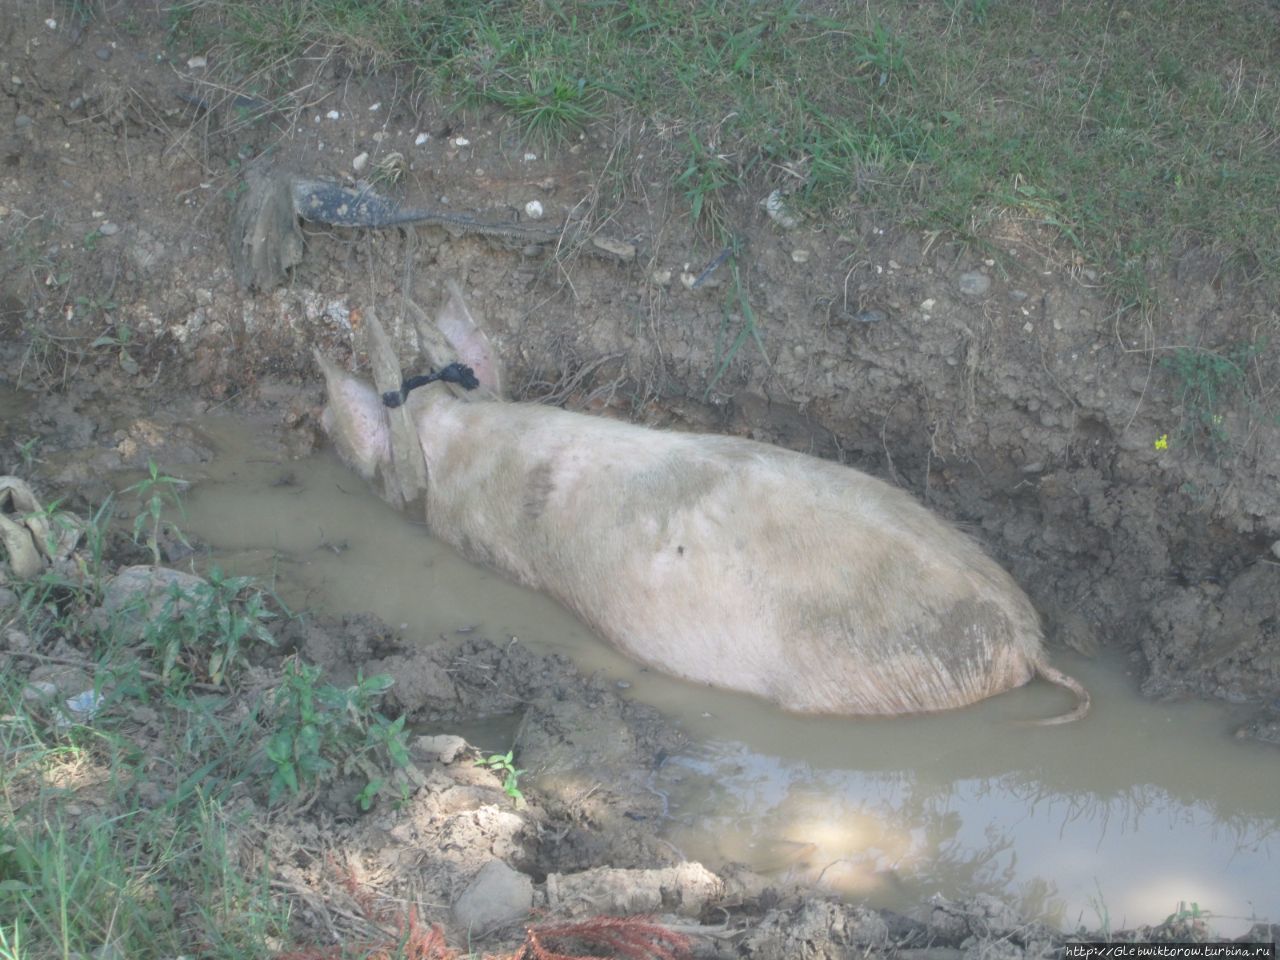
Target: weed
503, 763
1205, 381
323, 730
748, 328
1188, 923
704, 180
27, 451
153, 491
203, 632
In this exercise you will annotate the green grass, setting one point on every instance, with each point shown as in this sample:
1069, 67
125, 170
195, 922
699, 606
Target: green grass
1132, 131
114, 838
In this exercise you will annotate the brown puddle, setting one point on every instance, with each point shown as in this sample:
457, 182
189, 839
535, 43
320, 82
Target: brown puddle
1109, 822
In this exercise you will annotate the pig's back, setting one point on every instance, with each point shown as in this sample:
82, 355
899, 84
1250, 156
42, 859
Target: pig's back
732, 562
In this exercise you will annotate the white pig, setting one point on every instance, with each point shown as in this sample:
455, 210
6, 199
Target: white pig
717, 559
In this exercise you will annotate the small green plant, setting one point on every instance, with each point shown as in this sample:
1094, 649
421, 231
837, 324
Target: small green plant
1188, 923
323, 730
27, 451
1205, 381
704, 180
153, 491
977, 9
504, 764
202, 632
883, 53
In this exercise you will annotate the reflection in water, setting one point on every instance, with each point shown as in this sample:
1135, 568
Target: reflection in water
1112, 820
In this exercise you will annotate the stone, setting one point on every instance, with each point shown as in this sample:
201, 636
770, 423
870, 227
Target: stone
973, 283
498, 896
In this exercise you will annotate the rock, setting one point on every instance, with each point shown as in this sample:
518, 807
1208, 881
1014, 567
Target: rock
197, 63
817, 930
870, 316
444, 747
103, 53
360, 162
496, 897
684, 889
1263, 727
39, 691
973, 283
420, 139
138, 595
799, 256
776, 207
109, 229
1018, 296
626, 252
22, 121
533, 210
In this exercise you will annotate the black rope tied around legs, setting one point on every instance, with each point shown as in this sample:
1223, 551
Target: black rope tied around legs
458, 373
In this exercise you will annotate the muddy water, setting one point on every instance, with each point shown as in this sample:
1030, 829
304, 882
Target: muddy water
1113, 821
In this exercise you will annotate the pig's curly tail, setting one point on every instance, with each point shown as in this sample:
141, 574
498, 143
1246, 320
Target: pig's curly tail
458, 373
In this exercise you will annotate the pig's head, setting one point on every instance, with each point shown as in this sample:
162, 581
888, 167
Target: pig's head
381, 443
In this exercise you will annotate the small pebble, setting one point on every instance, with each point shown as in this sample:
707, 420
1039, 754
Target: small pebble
624, 684
103, 53
51, 24
461, 142
871, 316
1017, 296
927, 305
420, 139
799, 256
530, 157
22, 121
197, 63
533, 210
973, 283
333, 115
375, 107
776, 207
661, 277
109, 229
360, 162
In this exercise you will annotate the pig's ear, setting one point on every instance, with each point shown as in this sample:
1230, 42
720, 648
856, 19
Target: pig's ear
355, 420
469, 341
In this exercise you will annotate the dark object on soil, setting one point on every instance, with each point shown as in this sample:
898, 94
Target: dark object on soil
458, 373
266, 240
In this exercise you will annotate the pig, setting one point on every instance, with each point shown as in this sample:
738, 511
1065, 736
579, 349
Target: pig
718, 559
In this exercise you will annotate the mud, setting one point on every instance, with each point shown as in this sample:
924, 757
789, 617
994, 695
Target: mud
1027, 408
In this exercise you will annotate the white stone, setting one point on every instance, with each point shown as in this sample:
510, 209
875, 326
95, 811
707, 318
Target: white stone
533, 210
